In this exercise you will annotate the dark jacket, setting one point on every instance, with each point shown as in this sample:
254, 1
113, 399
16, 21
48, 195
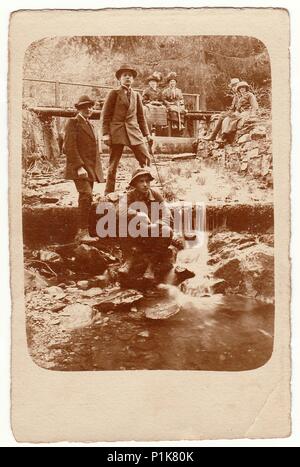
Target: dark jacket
81, 150
124, 121
149, 95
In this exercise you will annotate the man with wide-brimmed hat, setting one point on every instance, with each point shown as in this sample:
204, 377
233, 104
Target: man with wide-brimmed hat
218, 124
83, 162
124, 124
246, 107
146, 208
246, 101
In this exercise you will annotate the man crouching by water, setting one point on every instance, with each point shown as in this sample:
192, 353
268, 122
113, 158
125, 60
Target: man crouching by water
146, 248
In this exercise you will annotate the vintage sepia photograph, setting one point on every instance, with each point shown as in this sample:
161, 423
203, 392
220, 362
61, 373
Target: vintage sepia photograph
148, 215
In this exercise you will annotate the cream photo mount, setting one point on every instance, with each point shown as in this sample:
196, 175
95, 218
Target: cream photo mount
50, 406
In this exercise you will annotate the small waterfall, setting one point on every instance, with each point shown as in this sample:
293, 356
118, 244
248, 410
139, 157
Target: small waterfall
195, 294
195, 259
195, 255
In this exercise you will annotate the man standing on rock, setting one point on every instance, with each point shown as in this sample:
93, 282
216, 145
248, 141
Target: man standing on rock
124, 124
83, 162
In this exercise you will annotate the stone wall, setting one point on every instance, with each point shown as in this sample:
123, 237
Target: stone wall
249, 154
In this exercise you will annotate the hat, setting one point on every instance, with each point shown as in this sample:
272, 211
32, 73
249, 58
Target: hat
243, 84
153, 78
234, 82
139, 173
83, 101
125, 67
171, 76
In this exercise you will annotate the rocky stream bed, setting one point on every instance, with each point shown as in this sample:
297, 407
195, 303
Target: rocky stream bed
218, 316
213, 311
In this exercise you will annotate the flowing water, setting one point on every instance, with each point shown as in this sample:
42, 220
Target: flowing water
202, 331
214, 333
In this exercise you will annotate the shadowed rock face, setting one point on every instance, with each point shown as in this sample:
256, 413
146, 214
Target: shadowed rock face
252, 218
244, 263
250, 152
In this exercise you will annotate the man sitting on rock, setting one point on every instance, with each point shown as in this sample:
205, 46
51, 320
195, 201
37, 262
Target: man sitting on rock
218, 125
246, 108
146, 247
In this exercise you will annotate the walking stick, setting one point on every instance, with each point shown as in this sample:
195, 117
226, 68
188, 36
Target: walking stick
179, 116
150, 144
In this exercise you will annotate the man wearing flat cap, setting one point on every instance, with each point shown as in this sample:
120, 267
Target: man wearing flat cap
83, 162
124, 124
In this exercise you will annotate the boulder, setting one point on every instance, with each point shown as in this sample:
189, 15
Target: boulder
219, 287
253, 153
76, 316
144, 334
118, 300
162, 311
99, 281
250, 145
258, 133
93, 292
33, 280
244, 139
230, 271
91, 260
49, 256
56, 292
83, 285
56, 308
254, 167
258, 273
182, 273
245, 265
224, 243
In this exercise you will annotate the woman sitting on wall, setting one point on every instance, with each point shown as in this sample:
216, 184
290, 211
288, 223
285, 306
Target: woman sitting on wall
173, 100
155, 111
246, 108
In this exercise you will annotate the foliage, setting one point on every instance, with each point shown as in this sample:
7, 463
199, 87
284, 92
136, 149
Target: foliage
204, 64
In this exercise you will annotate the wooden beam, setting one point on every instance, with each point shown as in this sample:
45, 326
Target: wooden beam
48, 112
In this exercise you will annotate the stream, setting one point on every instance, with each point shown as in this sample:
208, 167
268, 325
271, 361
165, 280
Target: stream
185, 327
201, 331
219, 334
